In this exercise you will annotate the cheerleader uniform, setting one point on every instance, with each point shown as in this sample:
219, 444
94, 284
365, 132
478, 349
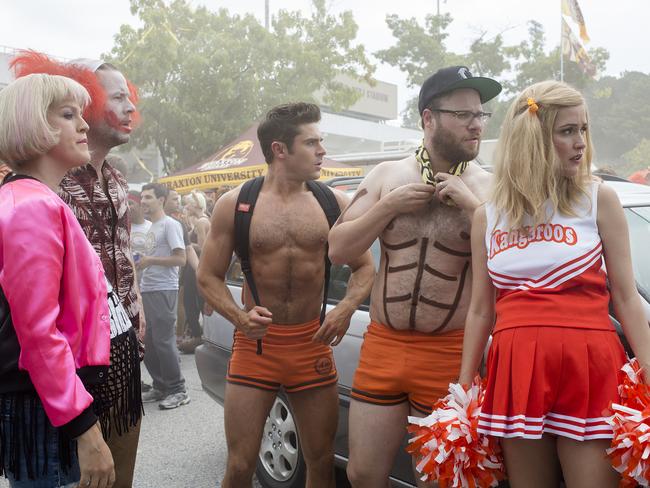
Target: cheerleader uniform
554, 359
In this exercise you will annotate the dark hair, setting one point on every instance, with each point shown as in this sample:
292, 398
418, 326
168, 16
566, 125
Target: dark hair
282, 124
434, 104
106, 67
161, 191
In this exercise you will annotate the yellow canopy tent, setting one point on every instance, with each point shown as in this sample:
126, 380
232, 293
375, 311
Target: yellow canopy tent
237, 162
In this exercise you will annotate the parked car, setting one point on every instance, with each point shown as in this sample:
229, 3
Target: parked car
284, 467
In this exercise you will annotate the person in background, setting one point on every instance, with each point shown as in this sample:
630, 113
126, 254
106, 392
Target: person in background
159, 288
54, 302
174, 209
211, 198
538, 246
199, 222
140, 244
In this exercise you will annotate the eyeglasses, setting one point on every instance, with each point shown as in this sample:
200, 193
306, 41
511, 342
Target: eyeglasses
466, 116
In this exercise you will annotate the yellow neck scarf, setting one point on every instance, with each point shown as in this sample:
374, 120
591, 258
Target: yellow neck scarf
422, 157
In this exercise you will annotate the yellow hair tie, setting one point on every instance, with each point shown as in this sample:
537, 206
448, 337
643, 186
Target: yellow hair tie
532, 106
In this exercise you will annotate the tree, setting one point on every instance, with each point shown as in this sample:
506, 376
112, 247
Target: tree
636, 159
533, 64
619, 117
205, 76
420, 51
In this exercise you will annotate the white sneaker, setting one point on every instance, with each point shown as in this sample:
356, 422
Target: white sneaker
174, 400
152, 395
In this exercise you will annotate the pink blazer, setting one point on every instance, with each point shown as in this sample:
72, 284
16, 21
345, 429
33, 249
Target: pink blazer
54, 283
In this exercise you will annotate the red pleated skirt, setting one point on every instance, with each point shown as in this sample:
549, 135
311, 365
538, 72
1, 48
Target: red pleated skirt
555, 380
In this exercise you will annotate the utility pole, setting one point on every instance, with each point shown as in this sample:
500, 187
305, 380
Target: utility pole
438, 17
561, 44
266, 14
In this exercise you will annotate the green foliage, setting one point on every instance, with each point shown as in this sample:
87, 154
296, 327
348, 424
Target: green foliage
532, 64
205, 76
419, 50
636, 159
620, 119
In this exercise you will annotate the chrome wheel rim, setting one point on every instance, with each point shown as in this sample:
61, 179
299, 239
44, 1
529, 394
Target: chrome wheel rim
279, 449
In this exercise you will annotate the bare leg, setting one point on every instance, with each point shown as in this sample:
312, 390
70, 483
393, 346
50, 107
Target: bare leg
376, 432
245, 412
532, 463
124, 449
420, 483
585, 464
316, 413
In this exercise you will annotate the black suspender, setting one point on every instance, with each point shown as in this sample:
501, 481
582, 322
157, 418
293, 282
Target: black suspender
243, 215
330, 206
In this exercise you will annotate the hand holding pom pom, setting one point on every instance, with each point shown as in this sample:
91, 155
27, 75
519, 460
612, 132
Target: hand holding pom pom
630, 448
447, 446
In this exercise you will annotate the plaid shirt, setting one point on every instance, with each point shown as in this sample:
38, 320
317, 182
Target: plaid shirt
105, 221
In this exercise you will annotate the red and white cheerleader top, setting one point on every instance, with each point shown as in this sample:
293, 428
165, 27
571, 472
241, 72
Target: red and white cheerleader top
550, 274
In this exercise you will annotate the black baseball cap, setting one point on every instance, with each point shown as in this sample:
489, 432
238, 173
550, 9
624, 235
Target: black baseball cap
452, 78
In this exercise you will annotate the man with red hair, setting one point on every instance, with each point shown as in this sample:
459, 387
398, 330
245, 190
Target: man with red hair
97, 194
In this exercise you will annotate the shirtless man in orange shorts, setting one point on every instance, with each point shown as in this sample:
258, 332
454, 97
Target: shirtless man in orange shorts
288, 242
412, 349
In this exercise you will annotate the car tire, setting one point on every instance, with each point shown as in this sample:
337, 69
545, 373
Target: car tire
280, 463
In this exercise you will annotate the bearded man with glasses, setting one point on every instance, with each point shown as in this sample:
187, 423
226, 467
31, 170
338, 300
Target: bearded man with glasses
420, 209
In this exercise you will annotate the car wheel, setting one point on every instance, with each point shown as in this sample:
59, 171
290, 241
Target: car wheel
280, 463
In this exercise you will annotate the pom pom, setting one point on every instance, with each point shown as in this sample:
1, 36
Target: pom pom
630, 448
447, 446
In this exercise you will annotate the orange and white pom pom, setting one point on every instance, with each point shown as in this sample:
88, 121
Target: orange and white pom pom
630, 448
447, 446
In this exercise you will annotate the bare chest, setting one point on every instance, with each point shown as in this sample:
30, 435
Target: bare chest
424, 270
439, 231
299, 224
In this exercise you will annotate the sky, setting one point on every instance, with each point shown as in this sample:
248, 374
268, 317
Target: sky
86, 28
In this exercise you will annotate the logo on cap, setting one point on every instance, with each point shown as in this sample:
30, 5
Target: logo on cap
464, 73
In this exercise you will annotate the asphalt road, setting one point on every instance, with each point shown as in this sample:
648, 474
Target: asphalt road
181, 448
184, 447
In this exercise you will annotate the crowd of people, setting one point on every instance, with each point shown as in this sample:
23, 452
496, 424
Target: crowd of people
92, 275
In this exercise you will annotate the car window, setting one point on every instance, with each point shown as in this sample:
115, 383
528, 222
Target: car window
638, 219
341, 274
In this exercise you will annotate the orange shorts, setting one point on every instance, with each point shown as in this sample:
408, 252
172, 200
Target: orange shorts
289, 359
400, 365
